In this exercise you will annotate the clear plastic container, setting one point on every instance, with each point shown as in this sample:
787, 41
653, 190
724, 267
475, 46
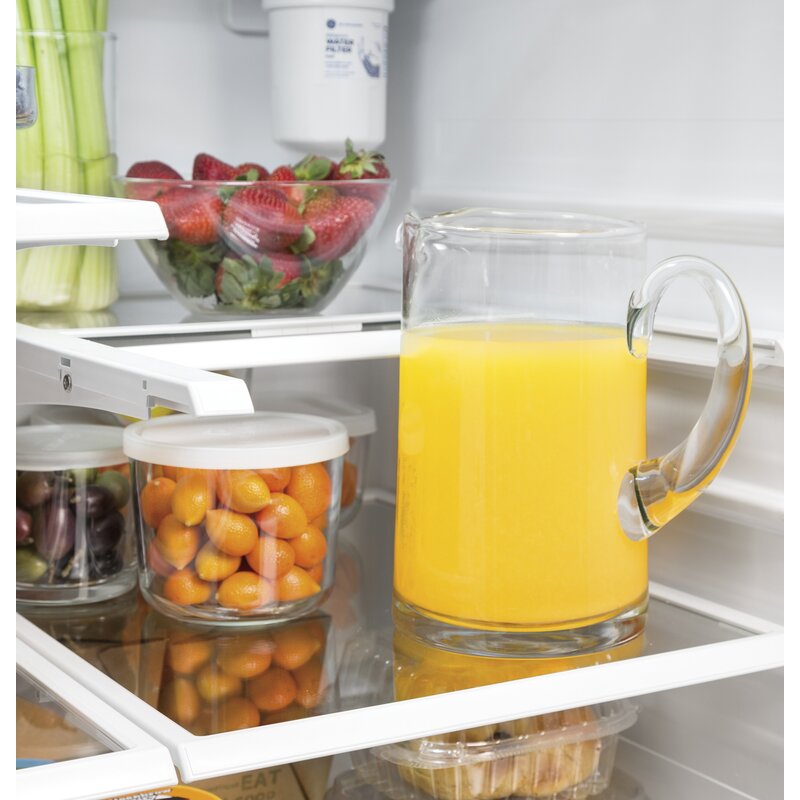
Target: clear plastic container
351, 785
74, 532
360, 423
211, 679
565, 755
236, 515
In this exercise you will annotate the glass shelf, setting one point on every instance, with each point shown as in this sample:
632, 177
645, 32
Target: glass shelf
49, 732
158, 672
71, 745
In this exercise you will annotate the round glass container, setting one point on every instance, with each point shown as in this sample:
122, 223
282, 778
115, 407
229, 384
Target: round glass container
74, 542
236, 515
360, 423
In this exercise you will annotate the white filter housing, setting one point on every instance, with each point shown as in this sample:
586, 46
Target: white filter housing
328, 69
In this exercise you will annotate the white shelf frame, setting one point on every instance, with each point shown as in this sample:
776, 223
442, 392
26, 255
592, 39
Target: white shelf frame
140, 765
60, 218
58, 369
203, 757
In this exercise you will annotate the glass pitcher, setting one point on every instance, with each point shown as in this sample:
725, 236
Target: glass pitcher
524, 492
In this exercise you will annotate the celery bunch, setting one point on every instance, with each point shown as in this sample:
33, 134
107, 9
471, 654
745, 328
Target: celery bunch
68, 149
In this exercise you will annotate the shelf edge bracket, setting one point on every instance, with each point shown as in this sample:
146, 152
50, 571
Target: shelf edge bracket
64, 370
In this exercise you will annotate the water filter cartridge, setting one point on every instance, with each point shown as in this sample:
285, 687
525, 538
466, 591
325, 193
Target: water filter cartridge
328, 72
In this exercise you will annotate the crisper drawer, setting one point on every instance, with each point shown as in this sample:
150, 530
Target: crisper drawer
220, 707
72, 746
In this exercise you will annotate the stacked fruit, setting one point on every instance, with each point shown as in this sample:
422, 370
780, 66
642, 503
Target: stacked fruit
245, 239
214, 683
70, 525
241, 540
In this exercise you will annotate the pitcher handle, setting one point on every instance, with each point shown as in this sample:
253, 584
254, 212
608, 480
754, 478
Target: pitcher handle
654, 491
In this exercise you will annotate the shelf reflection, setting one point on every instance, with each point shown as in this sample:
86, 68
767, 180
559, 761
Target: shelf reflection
211, 679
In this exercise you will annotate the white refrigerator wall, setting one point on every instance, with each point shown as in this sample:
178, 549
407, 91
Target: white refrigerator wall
667, 112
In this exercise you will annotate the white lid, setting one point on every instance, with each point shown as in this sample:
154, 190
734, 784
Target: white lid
359, 420
240, 441
49, 447
377, 5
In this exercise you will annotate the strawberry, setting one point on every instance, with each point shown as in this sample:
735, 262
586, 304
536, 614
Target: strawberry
337, 226
313, 168
193, 216
260, 173
362, 165
261, 218
208, 168
151, 170
291, 267
282, 173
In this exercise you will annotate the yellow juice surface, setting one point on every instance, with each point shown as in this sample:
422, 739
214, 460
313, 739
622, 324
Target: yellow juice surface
512, 443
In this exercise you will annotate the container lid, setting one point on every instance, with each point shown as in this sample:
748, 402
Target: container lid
262, 440
506, 739
49, 447
359, 420
338, 5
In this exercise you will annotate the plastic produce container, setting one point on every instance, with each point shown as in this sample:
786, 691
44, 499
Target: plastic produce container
236, 515
351, 785
360, 424
210, 679
566, 755
74, 533
328, 68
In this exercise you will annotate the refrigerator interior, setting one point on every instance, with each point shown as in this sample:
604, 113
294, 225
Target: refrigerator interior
666, 113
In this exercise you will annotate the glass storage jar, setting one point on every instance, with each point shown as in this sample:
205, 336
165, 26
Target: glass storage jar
236, 515
74, 542
360, 423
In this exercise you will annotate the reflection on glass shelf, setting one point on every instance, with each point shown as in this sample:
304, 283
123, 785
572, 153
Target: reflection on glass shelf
211, 680
153, 315
47, 731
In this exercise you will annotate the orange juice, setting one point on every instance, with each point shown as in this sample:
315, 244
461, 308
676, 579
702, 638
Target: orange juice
513, 440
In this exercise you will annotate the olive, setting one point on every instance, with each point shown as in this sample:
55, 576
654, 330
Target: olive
81, 476
92, 501
34, 488
56, 536
104, 534
117, 484
30, 565
24, 525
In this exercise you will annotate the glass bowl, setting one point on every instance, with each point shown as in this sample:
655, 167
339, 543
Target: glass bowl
260, 247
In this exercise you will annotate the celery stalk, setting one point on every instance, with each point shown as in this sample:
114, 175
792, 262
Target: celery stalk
30, 153
100, 15
61, 168
97, 281
50, 273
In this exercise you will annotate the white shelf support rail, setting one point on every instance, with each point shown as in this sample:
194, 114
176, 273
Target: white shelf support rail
56, 218
63, 370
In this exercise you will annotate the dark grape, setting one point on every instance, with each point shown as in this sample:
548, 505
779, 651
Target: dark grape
92, 501
34, 488
24, 525
56, 536
106, 565
104, 534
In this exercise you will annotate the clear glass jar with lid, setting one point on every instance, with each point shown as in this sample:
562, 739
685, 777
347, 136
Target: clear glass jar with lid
236, 515
74, 542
